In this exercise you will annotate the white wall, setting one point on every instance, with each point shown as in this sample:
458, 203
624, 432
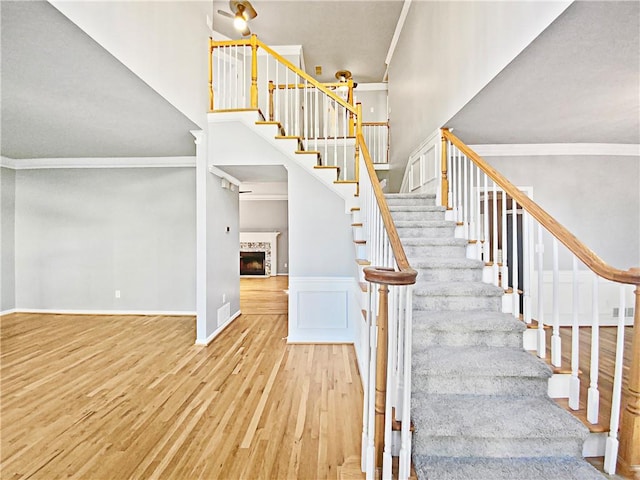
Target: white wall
322, 269
596, 197
82, 234
447, 52
165, 43
222, 252
268, 216
7, 239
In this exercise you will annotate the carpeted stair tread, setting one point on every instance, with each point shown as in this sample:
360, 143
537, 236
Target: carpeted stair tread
458, 289
481, 361
426, 224
482, 468
416, 208
471, 320
434, 242
410, 196
499, 416
448, 262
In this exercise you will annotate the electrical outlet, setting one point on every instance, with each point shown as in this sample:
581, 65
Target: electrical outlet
117, 293
224, 297
285, 265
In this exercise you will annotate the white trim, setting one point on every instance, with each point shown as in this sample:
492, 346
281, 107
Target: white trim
115, 162
171, 313
396, 35
218, 331
550, 149
248, 197
8, 312
372, 87
222, 174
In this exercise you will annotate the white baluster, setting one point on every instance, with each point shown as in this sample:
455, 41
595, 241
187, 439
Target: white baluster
465, 198
556, 343
542, 339
486, 243
593, 394
335, 133
405, 443
494, 235
373, 341
345, 118
286, 101
316, 123
296, 92
611, 449
574, 382
515, 284
459, 187
391, 330
504, 268
527, 265
236, 93
453, 181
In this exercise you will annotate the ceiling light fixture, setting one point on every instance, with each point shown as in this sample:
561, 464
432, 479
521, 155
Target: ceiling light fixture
239, 20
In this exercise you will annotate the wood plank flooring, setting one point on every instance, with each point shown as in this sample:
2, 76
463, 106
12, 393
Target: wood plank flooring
121, 397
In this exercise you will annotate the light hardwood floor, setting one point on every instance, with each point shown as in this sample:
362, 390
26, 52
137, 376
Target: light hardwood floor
132, 397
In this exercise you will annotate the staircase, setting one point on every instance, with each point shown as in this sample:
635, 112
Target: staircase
479, 401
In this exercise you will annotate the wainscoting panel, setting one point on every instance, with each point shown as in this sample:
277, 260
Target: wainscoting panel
321, 309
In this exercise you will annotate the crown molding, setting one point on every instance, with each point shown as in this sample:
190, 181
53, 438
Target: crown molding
553, 149
372, 87
396, 36
249, 197
115, 162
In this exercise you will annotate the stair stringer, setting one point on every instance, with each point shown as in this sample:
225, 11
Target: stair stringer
287, 147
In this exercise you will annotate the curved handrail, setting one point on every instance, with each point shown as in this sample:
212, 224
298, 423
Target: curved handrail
579, 249
406, 275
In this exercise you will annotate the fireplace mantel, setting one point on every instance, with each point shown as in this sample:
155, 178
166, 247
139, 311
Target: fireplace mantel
269, 238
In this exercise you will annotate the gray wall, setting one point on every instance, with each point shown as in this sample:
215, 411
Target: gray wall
82, 234
447, 52
596, 198
7, 239
223, 251
268, 216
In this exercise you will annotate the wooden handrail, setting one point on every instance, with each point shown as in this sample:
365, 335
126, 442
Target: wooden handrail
306, 76
579, 249
406, 275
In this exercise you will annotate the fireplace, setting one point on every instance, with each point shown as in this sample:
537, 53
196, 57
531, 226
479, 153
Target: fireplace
253, 263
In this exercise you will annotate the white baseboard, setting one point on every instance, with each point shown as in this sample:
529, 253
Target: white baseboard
167, 313
218, 331
7, 312
283, 274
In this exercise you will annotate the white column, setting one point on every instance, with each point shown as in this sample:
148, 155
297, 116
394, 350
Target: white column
201, 235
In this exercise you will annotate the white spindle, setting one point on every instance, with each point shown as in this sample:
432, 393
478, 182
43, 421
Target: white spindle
556, 345
504, 270
611, 449
237, 77
593, 394
335, 133
459, 186
574, 382
515, 263
391, 330
345, 132
542, 339
316, 123
465, 198
286, 101
527, 265
405, 442
494, 235
486, 243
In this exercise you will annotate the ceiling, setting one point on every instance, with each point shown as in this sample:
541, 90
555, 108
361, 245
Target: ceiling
578, 82
338, 35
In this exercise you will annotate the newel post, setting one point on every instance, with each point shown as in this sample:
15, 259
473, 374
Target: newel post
254, 71
444, 200
629, 452
381, 372
272, 87
383, 277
